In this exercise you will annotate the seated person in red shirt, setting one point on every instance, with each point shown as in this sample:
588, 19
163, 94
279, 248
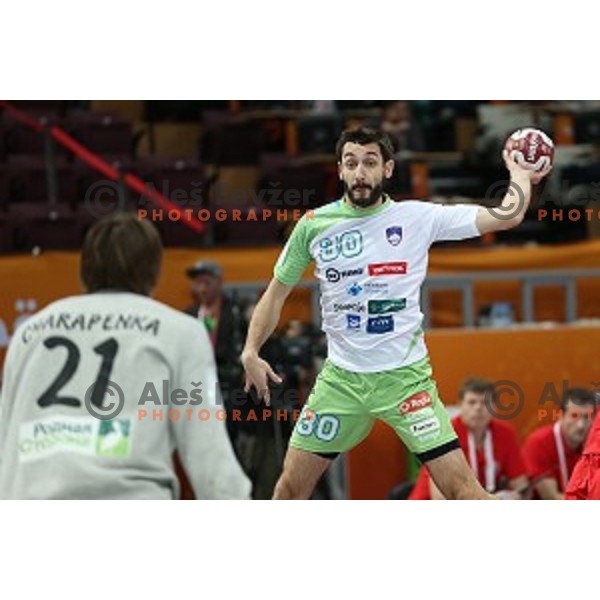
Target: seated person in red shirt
585, 480
490, 445
552, 451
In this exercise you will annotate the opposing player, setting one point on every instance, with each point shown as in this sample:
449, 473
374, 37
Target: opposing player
585, 480
85, 413
371, 259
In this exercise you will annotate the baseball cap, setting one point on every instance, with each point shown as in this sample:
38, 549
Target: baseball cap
205, 267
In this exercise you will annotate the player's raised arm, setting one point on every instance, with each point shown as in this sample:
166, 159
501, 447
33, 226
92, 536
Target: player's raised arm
515, 203
262, 325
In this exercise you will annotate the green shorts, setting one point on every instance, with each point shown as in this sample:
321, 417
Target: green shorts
343, 406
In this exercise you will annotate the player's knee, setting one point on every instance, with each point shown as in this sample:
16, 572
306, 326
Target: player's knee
462, 485
285, 490
459, 492
467, 488
458, 487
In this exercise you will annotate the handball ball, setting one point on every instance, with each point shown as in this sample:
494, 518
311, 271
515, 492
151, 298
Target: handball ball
530, 148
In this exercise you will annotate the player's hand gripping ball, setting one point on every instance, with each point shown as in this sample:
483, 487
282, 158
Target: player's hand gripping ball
531, 149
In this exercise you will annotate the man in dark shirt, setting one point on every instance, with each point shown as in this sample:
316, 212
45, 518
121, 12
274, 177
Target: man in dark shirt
213, 307
222, 321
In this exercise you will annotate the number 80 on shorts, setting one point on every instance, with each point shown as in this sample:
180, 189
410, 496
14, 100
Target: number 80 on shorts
324, 427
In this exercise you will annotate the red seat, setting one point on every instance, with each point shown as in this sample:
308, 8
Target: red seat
49, 229
176, 234
232, 142
307, 185
180, 180
247, 232
103, 133
24, 179
7, 227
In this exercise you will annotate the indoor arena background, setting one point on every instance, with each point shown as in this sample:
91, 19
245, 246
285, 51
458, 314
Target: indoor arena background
521, 307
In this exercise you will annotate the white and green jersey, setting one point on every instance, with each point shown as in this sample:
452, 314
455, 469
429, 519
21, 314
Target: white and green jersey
98, 392
370, 264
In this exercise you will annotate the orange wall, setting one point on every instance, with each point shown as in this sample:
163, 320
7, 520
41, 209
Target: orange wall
53, 275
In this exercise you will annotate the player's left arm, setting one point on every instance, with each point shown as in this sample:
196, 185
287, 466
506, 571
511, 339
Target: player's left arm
200, 433
13, 358
515, 203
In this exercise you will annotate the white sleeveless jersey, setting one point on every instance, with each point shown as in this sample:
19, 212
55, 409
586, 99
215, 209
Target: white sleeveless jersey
370, 264
78, 377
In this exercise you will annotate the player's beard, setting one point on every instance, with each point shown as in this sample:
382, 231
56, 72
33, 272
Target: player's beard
363, 201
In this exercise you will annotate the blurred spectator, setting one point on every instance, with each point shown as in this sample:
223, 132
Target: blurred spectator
498, 315
552, 451
210, 304
490, 445
297, 356
321, 107
407, 136
221, 316
262, 442
397, 122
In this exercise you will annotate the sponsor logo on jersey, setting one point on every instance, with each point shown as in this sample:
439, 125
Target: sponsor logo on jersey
113, 438
415, 403
377, 287
394, 235
355, 289
380, 324
353, 321
333, 275
379, 307
391, 268
429, 428
343, 306
80, 435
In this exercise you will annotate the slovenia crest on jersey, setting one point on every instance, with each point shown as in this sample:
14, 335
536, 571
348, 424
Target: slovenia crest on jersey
394, 235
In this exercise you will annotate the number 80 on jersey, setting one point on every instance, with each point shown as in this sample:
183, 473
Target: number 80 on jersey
323, 427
